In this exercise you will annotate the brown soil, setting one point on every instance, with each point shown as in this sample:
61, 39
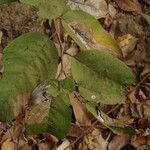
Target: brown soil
16, 19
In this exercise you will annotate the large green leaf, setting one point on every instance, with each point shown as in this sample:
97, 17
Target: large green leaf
88, 33
28, 60
101, 77
6, 1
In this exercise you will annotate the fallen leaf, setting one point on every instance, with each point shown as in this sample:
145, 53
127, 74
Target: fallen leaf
138, 141
13, 133
21, 103
80, 112
44, 146
64, 68
118, 142
97, 8
146, 112
112, 10
51, 138
129, 5
24, 147
132, 95
75, 130
65, 145
144, 147
147, 1
8, 145
127, 43
93, 141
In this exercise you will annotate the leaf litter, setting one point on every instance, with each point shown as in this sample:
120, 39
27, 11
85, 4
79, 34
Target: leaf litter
133, 33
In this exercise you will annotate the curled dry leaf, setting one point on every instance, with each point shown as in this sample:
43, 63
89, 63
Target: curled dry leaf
127, 43
44, 146
97, 8
93, 141
75, 130
64, 68
118, 142
13, 133
147, 110
129, 5
112, 10
80, 112
144, 147
8, 145
147, 1
65, 145
138, 141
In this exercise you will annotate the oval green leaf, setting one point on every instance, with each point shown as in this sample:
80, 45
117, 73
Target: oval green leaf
101, 77
87, 32
28, 60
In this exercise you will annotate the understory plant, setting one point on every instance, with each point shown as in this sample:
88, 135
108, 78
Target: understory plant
30, 66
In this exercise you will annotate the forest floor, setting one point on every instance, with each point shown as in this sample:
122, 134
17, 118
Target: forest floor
129, 22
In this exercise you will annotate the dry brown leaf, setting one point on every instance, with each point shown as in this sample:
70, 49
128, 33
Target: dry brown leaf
80, 112
118, 142
51, 138
147, 110
25, 147
147, 1
22, 143
129, 5
93, 141
65, 145
44, 146
64, 69
144, 147
138, 141
131, 95
8, 145
127, 43
21, 103
75, 130
97, 8
112, 10
13, 133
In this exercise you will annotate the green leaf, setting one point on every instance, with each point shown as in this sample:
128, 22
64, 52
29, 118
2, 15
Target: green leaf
28, 60
52, 116
68, 84
51, 9
31, 2
53, 90
60, 117
101, 77
6, 1
112, 124
87, 32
